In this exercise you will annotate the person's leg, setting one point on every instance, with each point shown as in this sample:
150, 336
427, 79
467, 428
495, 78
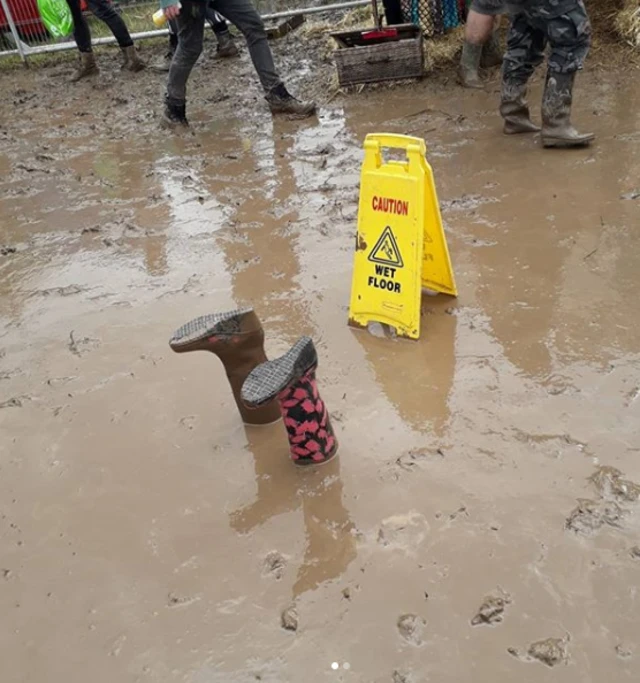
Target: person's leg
82, 36
477, 32
81, 33
104, 11
226, 46
245, 17
525, 51
190, 23
164, 63
569, 36
393, 12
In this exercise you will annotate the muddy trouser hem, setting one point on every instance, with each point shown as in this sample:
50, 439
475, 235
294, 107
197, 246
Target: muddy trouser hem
190, 24
568, 35
104, 11
489, 8
243, 15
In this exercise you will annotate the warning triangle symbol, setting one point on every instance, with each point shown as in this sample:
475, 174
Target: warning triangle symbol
386, 250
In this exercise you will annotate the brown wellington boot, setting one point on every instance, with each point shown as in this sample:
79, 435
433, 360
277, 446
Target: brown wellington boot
468, 75
131, 61
237, 338
557, 130
87, 67
515, 110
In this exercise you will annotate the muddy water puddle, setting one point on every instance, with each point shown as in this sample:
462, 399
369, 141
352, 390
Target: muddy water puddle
482, 519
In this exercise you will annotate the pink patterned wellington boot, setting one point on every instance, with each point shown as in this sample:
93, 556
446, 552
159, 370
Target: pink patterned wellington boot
292, 380
237, 338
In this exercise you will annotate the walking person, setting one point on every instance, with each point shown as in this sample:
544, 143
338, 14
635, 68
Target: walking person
103, 10
564, 26
190, 17
226, 45
481, 46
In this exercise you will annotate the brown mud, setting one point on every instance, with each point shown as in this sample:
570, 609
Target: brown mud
147, 535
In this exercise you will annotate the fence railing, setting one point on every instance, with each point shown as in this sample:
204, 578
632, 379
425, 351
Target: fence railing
22, 32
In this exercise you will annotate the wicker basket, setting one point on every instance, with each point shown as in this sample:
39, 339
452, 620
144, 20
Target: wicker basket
373, 55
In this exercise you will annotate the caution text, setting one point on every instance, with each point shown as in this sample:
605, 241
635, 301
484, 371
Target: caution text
399, 207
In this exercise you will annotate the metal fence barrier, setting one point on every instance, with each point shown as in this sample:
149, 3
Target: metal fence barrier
22, 33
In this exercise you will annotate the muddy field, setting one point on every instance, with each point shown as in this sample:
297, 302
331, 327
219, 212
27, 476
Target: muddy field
482, 521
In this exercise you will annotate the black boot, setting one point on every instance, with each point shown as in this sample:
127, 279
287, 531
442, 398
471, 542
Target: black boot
514, 109
557, 130
282, 102
469, 65
175, 114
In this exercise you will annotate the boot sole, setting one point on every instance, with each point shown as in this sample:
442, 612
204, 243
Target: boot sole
566, 144
521, 131
191, 334
266, 381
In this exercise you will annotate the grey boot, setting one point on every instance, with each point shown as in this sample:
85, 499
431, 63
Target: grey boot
131, 60
514, 109
492, 53
557, 130
226, 45
469, 65
282, 102
87, 67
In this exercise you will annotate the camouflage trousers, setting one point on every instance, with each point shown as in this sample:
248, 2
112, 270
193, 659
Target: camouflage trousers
562, 26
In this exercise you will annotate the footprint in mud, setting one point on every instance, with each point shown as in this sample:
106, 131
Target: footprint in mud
624, 650
411, 629
609, 483
590, 515
492, 610
551, 651
274, 565
402, 677
404, 532
615, 492
15, 402
81, 345
635, 552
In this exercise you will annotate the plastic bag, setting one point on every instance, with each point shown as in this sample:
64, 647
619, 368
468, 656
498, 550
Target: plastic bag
56, 16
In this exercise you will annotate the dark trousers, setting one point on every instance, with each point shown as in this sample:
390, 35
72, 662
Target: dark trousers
105, 12
190, 21
217, 23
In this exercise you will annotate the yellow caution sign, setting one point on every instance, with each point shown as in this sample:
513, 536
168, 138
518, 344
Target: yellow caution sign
400, 245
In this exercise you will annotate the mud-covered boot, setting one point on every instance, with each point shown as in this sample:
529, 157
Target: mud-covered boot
291, 379
492, 54
226, 46
282, 102
469, 65
86, 68
164, 63
132, 61
557, 130
514, 109
174, 114
237, 339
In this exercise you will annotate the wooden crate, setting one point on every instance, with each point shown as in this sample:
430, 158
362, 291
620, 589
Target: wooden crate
374, 55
